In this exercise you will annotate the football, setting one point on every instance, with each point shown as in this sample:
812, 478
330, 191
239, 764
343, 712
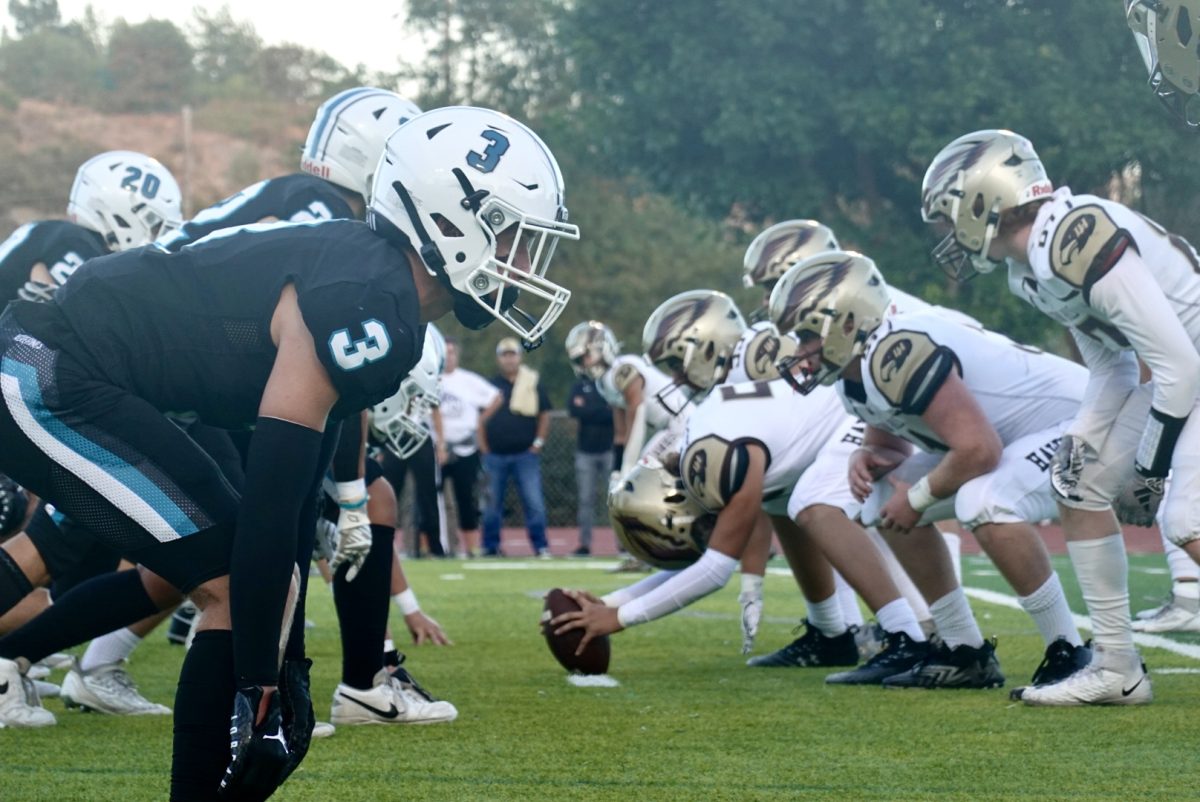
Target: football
594, 659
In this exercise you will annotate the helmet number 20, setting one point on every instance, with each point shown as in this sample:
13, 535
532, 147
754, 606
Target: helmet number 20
497, 146
149, 182
352, 354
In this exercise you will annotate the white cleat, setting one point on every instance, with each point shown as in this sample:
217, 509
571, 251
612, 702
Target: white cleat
323, 729
1112, 678
388, 702
46, 690
56, 661
107, 689
19, 703
1177, 615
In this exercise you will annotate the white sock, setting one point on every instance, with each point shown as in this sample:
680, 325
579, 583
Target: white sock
1103, 573
955, 623
848, 601
111, 648
1184, 570
827, 616
1047, 606
897, 616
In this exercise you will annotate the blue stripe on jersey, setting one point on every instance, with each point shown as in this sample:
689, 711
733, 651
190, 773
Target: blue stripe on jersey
336, 106
88, 451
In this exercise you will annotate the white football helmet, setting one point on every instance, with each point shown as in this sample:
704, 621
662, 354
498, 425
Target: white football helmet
691, 337
347, 136
1167, 33
969, 184
455, 182
400, 420
595, 339
656, 520
127, 197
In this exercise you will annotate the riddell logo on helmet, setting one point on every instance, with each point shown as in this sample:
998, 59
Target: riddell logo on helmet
319, 170
1038, 190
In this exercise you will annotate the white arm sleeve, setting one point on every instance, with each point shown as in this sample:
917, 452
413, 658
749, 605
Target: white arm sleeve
711, 572
640, 588
1131, 298
1112, 375
635, 439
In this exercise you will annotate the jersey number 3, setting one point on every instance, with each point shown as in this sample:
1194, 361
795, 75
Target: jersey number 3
353, 354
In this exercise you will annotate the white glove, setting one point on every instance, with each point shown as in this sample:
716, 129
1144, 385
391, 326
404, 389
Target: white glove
1066, 467
1138, 502
751, 600
353, 527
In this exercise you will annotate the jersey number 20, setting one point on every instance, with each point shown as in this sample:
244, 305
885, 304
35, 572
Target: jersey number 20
353, 354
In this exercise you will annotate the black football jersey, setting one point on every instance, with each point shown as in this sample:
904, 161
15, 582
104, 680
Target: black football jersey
190, 331
295, 198
61, 246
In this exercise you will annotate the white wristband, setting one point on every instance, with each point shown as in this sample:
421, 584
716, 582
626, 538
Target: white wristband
353, 493
406, 600
920, 498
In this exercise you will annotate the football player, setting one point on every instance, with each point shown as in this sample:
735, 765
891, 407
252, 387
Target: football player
119, 200
988, 414
283, 328
1167, 33
1127, 289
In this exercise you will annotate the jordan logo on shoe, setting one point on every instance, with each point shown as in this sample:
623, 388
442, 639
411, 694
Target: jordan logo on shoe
392, 713
1125, 692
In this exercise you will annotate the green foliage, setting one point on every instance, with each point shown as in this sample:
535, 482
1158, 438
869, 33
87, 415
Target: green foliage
150, 64
34, 15
51, 64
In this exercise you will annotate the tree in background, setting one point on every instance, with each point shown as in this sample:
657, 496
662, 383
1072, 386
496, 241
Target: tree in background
150, 65
34, 15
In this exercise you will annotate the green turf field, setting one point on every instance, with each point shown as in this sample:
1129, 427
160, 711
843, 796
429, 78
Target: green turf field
689, 721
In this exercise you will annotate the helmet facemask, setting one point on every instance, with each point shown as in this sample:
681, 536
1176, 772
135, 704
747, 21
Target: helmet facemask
1167, 33
405, 433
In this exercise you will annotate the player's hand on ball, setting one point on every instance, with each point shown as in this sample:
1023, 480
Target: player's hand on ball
581, 596
354, 541
594, 619
425, 630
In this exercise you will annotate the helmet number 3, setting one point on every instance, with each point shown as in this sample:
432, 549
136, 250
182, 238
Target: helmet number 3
497, 146
352, 354
149, 182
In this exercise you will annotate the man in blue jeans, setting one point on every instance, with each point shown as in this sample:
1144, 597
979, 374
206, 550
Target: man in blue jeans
511, 433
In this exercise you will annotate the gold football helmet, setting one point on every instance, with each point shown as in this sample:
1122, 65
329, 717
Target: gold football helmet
782, 245
656, 521
591, 338
1168, 35
969, 184
691, 337
831, 303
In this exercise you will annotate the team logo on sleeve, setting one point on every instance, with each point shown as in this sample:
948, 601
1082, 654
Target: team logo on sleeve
624, 376
894, 358
764, 353
1075, 240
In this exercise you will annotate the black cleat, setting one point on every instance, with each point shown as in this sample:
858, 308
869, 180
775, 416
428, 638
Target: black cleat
1061, 661
812, 649
961, 667
900, 653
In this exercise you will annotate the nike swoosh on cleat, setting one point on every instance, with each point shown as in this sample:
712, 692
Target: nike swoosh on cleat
392, 713
1135, 686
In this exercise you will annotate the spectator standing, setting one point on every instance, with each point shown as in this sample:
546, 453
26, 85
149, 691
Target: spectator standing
464, 395
512, 431
593, 453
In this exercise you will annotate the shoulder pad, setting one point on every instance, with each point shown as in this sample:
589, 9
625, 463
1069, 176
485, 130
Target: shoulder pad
908, 367
1086, 245
624, 375
713, 470
763, 351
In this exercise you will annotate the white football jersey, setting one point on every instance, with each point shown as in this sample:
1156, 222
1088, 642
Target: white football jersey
793, 429
628, 367
1022, 390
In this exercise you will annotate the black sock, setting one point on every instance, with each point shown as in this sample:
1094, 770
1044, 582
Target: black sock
101, 605
14, 585
362, 609
203, 703
392, 659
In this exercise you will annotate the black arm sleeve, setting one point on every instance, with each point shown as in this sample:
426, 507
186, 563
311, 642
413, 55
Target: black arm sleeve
280, 466
347, 460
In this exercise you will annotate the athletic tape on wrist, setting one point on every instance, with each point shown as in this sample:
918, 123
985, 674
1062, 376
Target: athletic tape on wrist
920, 498
407, 601
1158, 444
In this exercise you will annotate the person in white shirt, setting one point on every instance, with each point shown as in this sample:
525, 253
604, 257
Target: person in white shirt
464, 395
1127, 290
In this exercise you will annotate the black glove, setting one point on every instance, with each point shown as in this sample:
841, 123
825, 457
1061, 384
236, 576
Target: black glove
298, 717
259, 754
